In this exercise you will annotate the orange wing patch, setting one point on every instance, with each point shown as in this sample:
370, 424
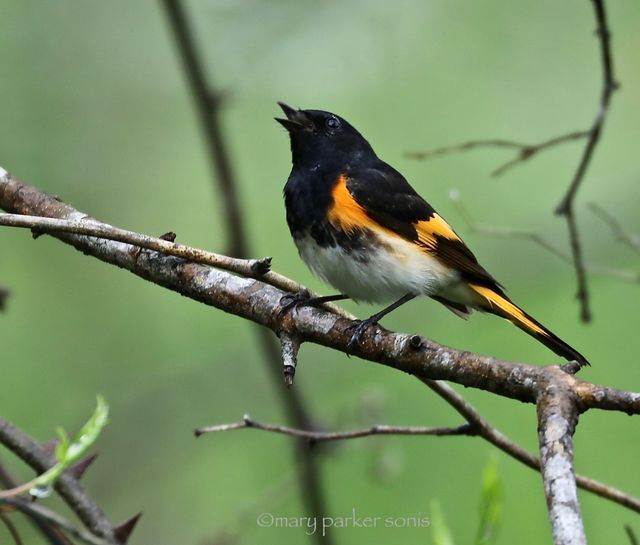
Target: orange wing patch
345, 213
434, 226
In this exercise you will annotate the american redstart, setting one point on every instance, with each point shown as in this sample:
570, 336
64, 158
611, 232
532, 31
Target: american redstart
362, 228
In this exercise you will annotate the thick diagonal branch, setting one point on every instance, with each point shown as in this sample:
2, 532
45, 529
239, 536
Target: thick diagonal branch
254, 300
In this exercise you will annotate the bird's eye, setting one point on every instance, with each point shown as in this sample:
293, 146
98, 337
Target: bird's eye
332, 123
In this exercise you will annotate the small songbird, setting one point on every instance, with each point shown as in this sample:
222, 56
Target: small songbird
362, 228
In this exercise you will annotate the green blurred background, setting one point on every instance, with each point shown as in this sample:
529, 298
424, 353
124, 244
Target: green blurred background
94, 108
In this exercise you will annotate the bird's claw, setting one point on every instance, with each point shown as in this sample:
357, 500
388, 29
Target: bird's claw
292, 301
359, 328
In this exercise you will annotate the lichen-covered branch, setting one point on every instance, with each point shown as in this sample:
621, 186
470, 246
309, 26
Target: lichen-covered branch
84, 225
254, 300
557, 419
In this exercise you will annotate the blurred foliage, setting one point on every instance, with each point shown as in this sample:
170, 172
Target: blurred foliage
94, 108
440, 533
491, 503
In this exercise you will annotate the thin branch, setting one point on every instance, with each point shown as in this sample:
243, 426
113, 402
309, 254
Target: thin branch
633, 539
566, 208
11, 529
524, 152
582, 292
485, 430
514, 232
317, 436
85, 225
629, 239
4, 295
609, 85
52, 518
557, 419
476, 425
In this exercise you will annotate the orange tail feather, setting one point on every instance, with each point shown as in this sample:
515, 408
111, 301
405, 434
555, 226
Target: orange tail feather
498, 303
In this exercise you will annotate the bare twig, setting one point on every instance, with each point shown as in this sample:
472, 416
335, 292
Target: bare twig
629, 239
609, 85
566, 208
485, 430
54, 519
633, 539
514, 232
476, 425
524, 151
582, 292
316, 436
557, 419
11, 529
85, 225
4, 295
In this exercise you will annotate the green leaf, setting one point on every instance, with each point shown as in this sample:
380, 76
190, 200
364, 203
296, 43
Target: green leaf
440, 533
491, 503
69, 451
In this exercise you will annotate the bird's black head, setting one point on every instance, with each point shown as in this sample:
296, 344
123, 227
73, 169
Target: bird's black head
318, 136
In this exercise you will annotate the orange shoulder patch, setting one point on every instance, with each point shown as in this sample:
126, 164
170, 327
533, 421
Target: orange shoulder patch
428, 229
345, 213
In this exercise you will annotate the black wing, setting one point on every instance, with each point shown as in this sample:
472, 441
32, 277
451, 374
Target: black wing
389, 200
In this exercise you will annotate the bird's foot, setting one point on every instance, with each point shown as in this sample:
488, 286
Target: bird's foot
359, 328
294, 300
303, 299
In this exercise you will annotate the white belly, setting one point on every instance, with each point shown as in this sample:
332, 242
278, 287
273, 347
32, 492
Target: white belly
384, 272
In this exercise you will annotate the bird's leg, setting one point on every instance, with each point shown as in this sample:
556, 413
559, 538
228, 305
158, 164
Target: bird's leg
362, 325
304, 299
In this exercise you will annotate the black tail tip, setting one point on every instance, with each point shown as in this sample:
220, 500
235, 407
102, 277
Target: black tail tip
578, 360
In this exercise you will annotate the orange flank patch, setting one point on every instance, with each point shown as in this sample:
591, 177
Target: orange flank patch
434, 226
508, 309
345, 212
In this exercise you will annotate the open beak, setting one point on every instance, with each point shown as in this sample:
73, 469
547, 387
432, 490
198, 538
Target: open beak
295, 120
